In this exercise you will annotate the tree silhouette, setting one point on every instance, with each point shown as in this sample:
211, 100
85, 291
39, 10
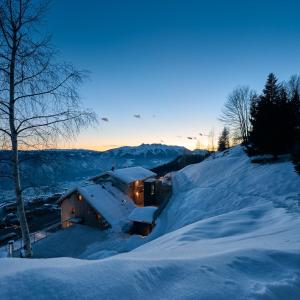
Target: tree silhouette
223, 142
39, 101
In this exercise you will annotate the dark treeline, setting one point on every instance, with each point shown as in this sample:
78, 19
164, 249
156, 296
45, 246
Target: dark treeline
274, 119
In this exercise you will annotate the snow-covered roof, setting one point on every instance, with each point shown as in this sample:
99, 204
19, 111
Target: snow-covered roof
143, 214
129, 175
111, 203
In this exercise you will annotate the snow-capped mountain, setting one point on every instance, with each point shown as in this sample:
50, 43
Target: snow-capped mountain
147, 151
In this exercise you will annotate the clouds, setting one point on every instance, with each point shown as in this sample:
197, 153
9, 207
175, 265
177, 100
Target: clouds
136, 116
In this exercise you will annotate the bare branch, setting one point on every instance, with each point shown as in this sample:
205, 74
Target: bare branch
50, 91
236, 111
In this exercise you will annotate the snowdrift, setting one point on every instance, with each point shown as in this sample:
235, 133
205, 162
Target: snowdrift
231, 231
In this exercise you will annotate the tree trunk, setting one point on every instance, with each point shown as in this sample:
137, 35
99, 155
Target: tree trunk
19, 200
15, 156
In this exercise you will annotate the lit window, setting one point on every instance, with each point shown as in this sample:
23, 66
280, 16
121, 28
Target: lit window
152, 191
80, 198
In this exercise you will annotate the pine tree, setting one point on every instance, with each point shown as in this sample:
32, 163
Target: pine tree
275, 119
223, 142
266, 134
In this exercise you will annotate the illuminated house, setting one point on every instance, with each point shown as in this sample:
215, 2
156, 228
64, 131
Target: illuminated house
129, 180
117, 199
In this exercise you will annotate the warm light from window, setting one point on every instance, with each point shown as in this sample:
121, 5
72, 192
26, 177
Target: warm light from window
152, 189
80, 198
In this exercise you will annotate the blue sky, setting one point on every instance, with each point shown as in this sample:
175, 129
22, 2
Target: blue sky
171, 62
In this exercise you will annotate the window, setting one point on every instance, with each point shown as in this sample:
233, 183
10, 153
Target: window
152, 189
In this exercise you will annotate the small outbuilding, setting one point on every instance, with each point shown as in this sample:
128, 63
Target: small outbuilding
142, 219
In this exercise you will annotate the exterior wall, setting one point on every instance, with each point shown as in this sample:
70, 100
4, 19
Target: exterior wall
151, 189
136, 192
156, 192
72, 207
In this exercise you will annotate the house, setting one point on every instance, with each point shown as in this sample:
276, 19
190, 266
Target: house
129, 180
96, 205
116, 198
142, 219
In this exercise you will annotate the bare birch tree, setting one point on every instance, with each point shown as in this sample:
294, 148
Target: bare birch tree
236, 112
39, 100
292, 86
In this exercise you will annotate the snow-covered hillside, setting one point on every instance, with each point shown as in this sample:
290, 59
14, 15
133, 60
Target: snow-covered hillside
53, 170
228, 182
230, 231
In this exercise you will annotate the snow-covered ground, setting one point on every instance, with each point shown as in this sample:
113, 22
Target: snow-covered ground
80, 242
230, 231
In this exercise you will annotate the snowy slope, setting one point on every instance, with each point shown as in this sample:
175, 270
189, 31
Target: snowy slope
231, 231
228, 182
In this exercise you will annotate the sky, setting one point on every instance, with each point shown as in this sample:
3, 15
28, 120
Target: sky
160, 70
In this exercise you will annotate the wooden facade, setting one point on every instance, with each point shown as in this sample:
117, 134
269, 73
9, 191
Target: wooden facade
75, 206
134, 190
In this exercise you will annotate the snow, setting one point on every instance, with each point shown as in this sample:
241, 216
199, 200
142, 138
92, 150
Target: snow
80, 241
112, 204
129, 175
230, 231
226, 183
143, 214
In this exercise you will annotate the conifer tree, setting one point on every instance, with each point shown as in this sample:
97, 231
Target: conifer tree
275, 119
264, 136
223, 142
